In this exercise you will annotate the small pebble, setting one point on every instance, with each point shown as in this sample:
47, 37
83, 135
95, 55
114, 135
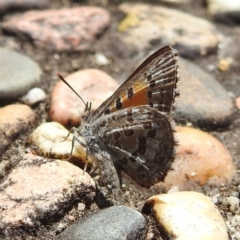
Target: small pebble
71, 218
81, 206
224, 64
233, 226
33, 96
232, 201
215, 198
187, 216
101, 59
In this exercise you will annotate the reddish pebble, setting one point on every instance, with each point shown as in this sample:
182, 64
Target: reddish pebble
71, 218
93, 85
14, 119
60, 30
199, 157
237, 102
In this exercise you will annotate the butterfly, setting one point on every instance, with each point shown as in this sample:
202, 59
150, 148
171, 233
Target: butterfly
132, 131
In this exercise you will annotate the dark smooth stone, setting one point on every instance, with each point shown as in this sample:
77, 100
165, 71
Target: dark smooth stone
22, 4
114, 223
203, 101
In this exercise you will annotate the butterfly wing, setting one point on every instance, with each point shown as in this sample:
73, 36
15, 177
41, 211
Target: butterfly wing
153, 83
139, 140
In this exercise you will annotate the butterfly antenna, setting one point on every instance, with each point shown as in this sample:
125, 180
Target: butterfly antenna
86, 104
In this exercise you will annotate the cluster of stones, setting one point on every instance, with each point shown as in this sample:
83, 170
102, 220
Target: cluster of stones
42, 185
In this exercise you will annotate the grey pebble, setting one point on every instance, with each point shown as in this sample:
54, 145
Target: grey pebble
18, 74
165, 26
203, 101
114, 223
6, 5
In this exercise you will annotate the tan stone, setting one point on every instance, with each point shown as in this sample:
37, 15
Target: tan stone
188, 216
200, 157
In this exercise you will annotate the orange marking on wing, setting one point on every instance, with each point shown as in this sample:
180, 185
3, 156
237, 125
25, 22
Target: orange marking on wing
139, 97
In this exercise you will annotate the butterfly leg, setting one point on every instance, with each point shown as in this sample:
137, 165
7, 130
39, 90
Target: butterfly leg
75, 138
109, 174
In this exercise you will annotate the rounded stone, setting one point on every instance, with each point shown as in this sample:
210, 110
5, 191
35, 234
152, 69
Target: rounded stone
18, 74
53, 140
114, 223
14, 119
92, 85
166, 26
199, 158
66, 29
33, 96
203, 101
187, 215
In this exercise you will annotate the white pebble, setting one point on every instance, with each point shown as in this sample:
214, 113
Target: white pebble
101, 59
215, 198
81, 206
234, 226
235, 221
33, 96
232, 201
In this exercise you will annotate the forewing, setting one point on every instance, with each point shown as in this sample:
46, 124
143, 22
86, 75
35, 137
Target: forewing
140, 141
153, 84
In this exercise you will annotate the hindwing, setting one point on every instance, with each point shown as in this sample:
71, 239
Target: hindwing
139, 140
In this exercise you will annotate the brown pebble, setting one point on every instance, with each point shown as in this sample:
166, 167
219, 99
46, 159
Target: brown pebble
224, 64
199, 157
14, 119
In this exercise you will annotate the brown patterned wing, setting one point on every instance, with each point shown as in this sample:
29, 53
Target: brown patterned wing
153, 84
140, 142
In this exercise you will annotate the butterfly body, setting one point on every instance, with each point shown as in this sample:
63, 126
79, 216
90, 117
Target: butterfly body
132, 130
